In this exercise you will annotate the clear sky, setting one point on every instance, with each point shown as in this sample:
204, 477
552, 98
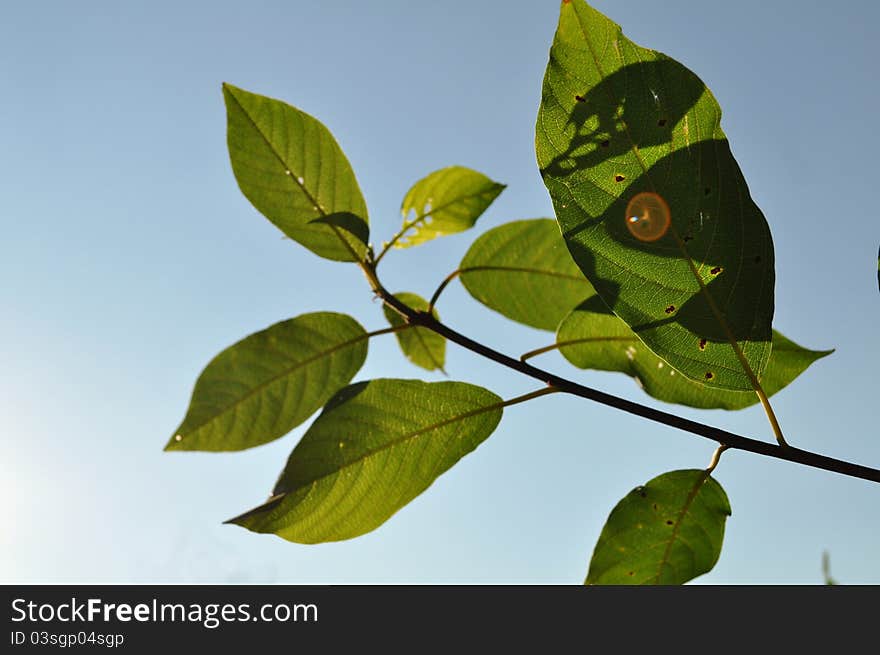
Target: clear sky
130, 259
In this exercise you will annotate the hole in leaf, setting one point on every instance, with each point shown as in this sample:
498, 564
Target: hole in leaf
703, 343
654, 506
631, 573
716, 270
619, 178
709, 375
669, 522
580, 98
669, 309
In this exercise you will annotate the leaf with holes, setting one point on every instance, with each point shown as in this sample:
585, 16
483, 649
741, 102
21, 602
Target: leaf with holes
292, 170
592, 337
445, 202
262, 387
522, 269
375, 447
616, 121
423, 347
666, 532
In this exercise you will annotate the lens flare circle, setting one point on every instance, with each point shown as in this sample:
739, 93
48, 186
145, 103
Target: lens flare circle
647, 216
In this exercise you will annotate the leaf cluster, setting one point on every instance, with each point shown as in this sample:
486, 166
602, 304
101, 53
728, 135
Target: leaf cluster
686, 314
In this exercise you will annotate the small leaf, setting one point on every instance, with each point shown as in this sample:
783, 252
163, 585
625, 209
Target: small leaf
523, 270
666, 532
292, 170
592, 337
375, 447
616, 122
423, 347
445, 202
262, 387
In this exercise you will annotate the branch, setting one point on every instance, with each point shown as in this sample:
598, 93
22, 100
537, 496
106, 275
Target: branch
723, 437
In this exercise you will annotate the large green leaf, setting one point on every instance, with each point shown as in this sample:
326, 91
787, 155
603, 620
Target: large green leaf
375, 447
265, 385
616, 120
593, 337
445, 202
666, 532
423, 347
292, 170
522, 269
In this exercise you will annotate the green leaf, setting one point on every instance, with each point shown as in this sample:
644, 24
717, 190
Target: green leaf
522, 269
292, 170
445, 202
375, 447
616, 120
351, 223
592, 337
262, 387
666, 532
423, 347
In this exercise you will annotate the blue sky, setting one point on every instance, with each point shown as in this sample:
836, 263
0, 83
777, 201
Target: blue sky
130, 259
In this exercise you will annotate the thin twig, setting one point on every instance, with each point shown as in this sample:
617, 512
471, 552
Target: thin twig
723, 437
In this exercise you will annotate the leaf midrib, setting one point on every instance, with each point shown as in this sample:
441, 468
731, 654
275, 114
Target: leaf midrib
679, 520
397, 441
523, 269
278, 155
421, 338
315, 203
284, 373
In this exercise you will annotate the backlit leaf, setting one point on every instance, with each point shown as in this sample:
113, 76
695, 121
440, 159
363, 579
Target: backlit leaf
351, 223
423, 347
617, 120
592, 337
375, 447
523, 270
292, 170
265, 385
666, 532
445, 202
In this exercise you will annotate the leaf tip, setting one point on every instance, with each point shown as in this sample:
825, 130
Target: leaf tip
174, 443
242, 519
